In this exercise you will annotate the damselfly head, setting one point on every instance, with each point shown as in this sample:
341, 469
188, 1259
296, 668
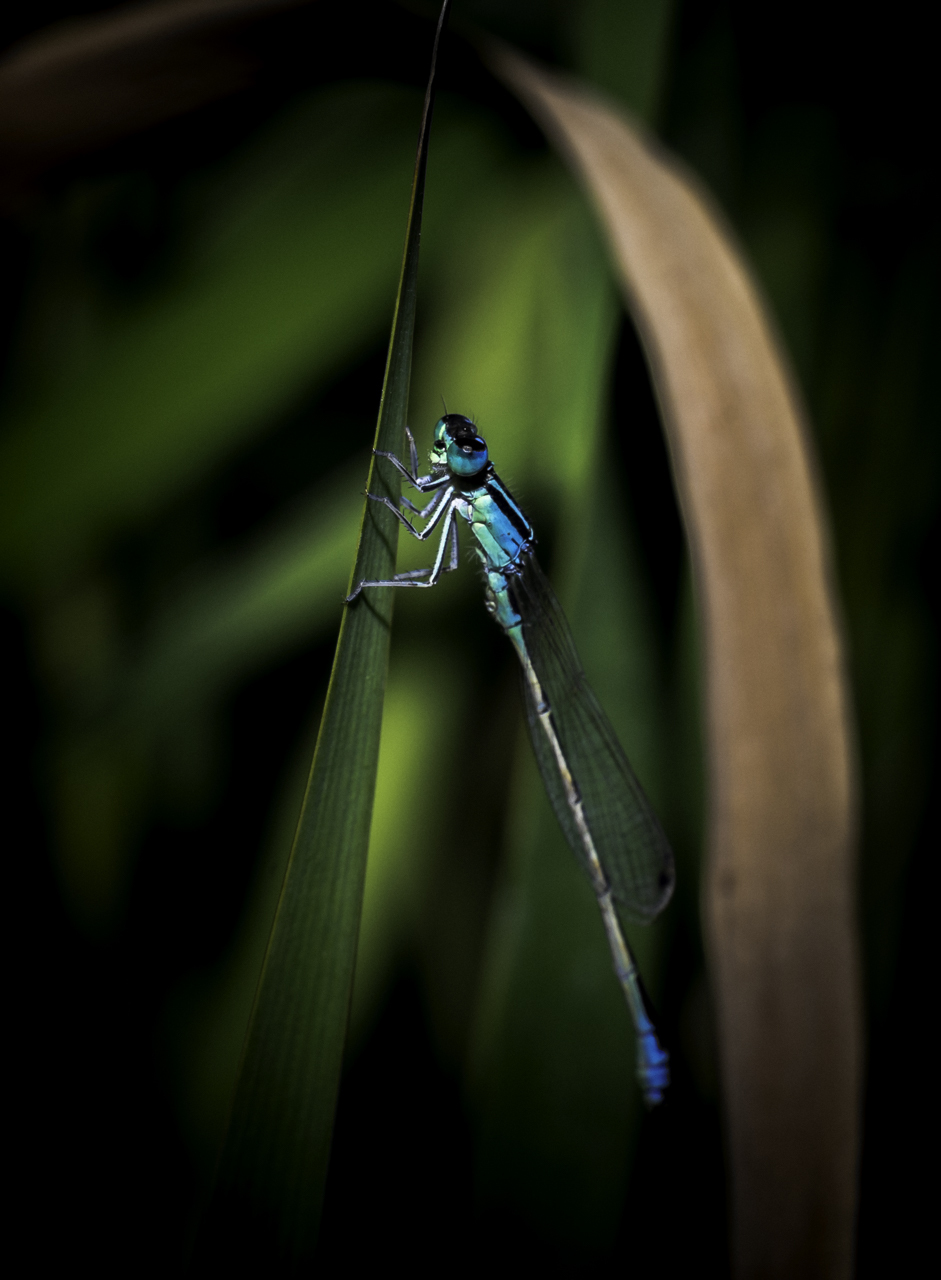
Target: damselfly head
458, 447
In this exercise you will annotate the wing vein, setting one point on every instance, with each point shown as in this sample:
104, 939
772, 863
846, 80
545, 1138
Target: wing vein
633, 850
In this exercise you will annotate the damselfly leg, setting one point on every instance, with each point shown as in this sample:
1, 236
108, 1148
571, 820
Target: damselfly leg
413, 576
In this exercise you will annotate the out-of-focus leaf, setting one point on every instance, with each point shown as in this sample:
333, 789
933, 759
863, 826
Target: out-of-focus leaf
420, 711
232, 618
273, 1167
499, 331
622, 48
223, 622
288, 275
85, 82
98, 777
124, 716
779, 895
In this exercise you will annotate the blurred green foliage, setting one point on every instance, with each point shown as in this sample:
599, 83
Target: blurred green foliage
189, 398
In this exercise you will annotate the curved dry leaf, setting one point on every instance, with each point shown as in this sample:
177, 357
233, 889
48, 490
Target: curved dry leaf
88, 81
779, 885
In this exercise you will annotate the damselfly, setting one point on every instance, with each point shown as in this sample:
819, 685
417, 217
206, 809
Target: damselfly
600, 805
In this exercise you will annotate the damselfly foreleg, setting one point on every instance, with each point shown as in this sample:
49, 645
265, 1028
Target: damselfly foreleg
423, 483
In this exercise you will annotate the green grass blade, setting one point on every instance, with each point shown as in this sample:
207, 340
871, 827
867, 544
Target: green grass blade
270, 1184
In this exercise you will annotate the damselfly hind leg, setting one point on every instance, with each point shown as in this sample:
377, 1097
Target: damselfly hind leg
424, 484
413, 576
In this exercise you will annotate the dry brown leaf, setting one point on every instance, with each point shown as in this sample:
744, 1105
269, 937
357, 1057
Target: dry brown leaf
87, 81
779, 882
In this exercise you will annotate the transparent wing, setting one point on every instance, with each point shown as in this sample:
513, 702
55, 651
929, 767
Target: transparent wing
629, 840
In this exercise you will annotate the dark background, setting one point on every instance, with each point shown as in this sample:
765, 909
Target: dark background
815, 127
